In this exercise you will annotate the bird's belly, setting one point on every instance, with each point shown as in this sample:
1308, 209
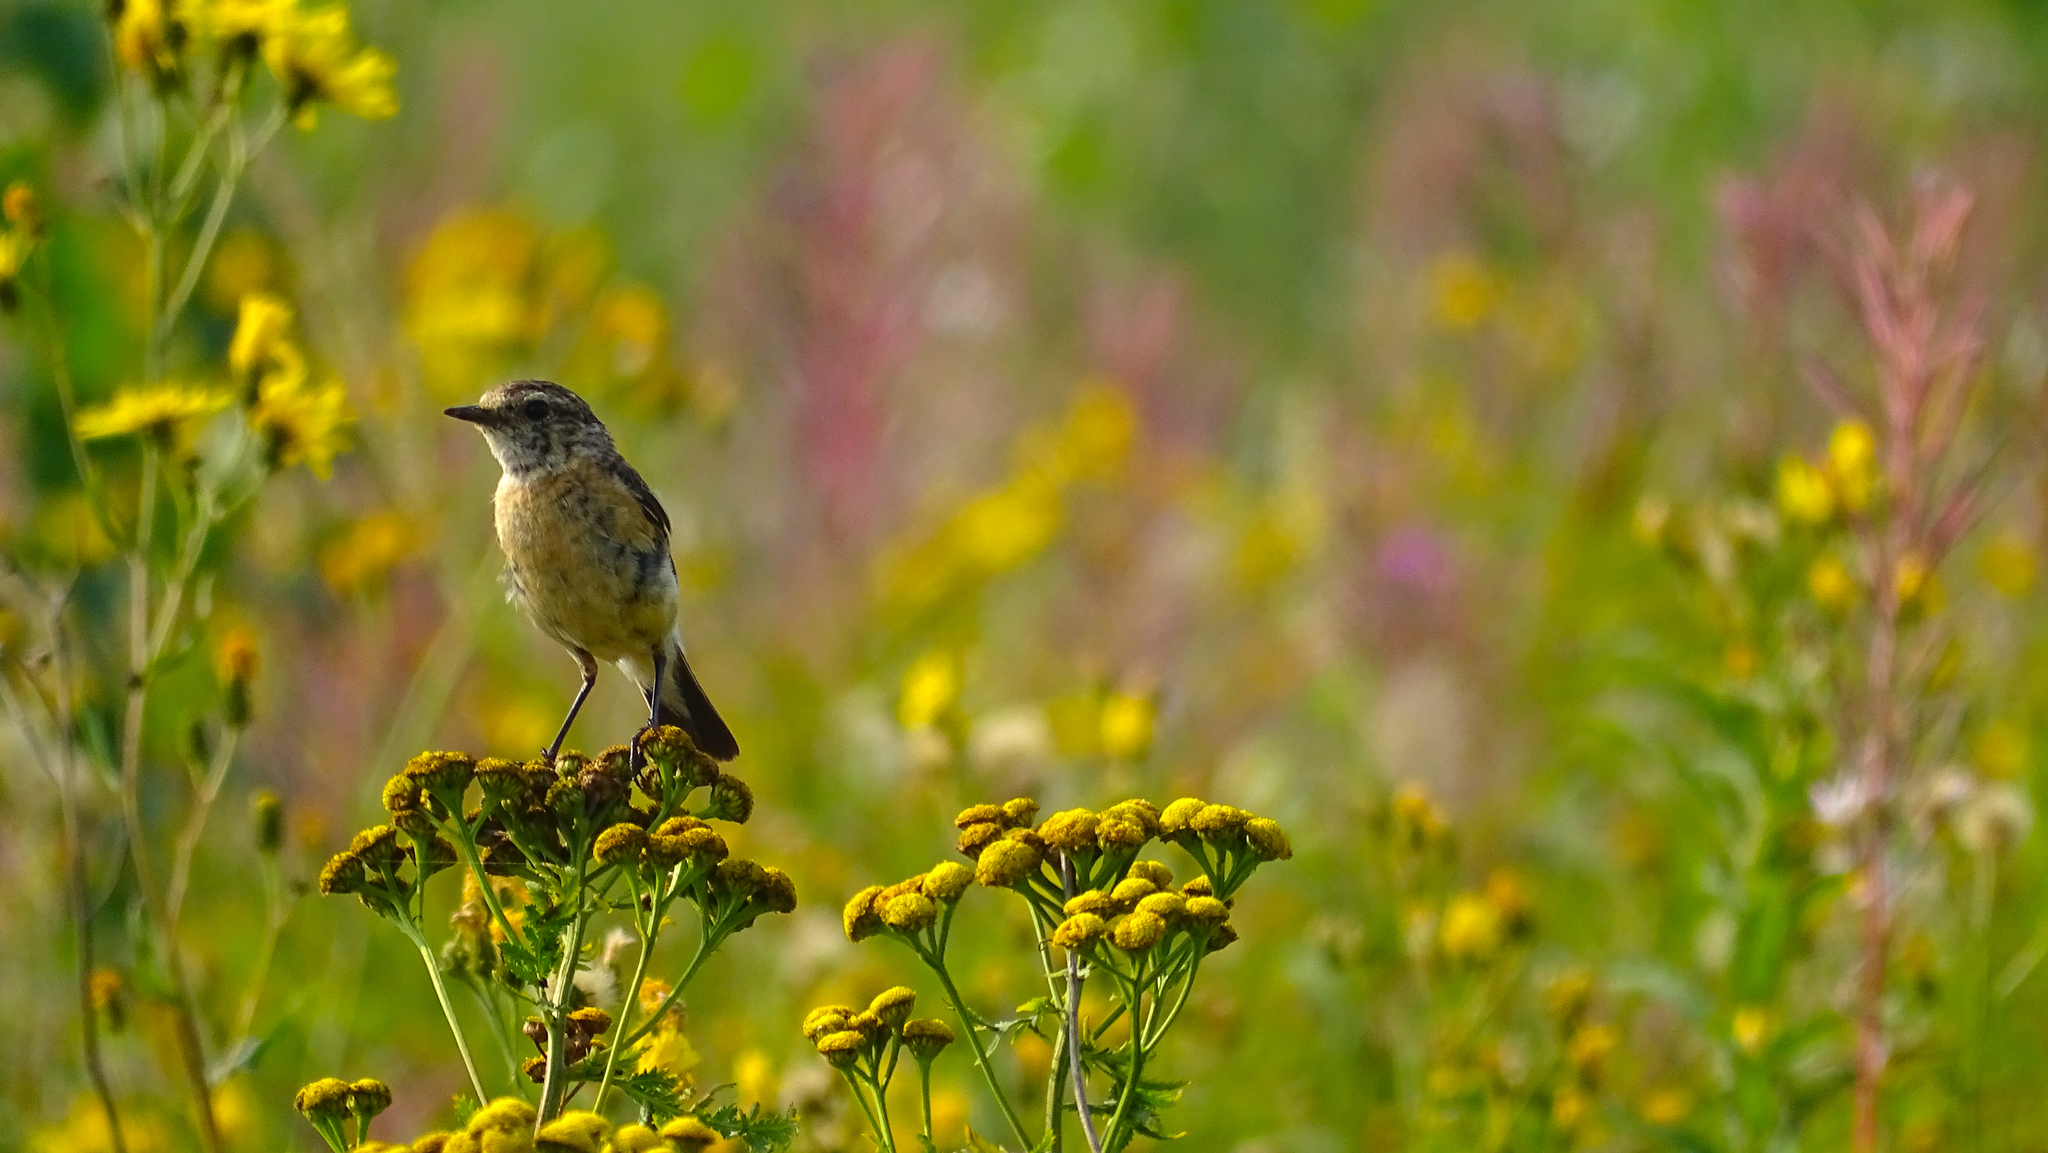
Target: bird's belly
587, 587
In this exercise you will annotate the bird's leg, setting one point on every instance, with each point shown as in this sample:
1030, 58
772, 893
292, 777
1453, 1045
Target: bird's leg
589, 664
653, 702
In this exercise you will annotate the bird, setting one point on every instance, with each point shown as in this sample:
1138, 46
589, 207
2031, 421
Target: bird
587, 558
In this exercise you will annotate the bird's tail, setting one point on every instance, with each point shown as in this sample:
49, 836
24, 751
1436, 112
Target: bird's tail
684, 705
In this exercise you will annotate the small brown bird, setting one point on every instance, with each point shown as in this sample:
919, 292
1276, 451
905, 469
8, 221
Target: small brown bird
586, 553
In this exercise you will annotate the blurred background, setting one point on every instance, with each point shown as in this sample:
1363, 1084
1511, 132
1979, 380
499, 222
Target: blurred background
1294, 404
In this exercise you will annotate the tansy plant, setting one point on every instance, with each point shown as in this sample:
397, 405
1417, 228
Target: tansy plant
568, 843
184, 441
509, 1125
1108, 916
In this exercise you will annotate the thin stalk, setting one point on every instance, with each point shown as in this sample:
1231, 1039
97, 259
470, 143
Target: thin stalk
988, 1072
860, 1096
195, 829
1056, 1092
1073, 1022
1876, 929
632, 994
419, 941
887, 1132
705, 945
1119, 1119
276, 913
924, 1090
565, 980
499, 1033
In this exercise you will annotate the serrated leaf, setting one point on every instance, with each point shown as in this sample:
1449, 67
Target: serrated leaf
658, 1092
763, 1132
465, 1108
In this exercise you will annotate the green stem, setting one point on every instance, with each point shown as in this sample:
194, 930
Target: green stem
860, 1096
465, 841
419, 941
924, 1086
489, 1008
1118, 1136
632, 991
988, 1071
565, 982
887, 1131
705, 946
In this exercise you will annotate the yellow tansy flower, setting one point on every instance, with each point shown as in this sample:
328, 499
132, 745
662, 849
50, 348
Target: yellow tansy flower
158, 410
318, 62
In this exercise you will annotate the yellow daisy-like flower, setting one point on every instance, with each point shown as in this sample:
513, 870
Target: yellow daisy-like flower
318, 62
303, 422
243, 25
158, 411
148, 38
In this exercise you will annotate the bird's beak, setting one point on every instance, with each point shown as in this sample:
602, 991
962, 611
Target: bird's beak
473, 413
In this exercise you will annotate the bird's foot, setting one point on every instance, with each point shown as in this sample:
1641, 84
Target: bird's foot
636, 759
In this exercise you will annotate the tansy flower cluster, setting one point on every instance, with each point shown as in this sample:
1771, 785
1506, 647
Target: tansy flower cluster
629, 831
1093, 899
865, 1046
510, 1125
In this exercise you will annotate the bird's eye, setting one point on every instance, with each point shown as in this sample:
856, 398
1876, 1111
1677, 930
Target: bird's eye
535, 409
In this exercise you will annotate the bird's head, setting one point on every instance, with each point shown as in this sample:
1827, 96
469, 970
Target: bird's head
534, 426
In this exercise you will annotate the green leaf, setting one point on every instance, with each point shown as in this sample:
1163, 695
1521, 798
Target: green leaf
658, 1093
465, 1108
536, 965
763, 1132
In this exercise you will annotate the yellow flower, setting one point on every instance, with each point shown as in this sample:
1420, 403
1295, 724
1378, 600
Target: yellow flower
318, 62
1588, 1048
1803, 492
1831, 585
362, 555
1750, 1027
1471, 929
1667, 1106
148, 37
302, 422
259, 332
930, 687
1463, 291
1002, 529
1569, 1108
1126, 725
157, 411
1852, 463
245, 24
2007, 563
85, 1131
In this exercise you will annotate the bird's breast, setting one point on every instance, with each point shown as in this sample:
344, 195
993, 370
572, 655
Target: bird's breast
585, 562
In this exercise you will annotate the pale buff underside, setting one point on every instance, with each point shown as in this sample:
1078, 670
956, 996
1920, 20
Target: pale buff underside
579, 549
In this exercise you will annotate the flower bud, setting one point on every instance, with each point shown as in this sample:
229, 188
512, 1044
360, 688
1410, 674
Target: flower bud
1130, 891
1219, 824
1154, 871
1174, 821
731, 800
842, 1049
868, 1024
910, 912
377, 847
574, 1132
688, 1134
636, 1139
1019, 812
1071, 831
1137, 811
1267, 839
827, 1019
926, 1037
1138, 932
442, 774
860, 918
267, 814
367, 1098
343, 873
1079, 930
1224, 936
622, 844
1198, 887
1005, 863
1167, 907
777, 893
235, 663
1090, 901
1205, 911
893, 1007
978, 815
323, 1100
974, 838
947, 881
1115, 835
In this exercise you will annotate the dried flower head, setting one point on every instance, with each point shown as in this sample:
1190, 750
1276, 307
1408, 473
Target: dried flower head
731, 800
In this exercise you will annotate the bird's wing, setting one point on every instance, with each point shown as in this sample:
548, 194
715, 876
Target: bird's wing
644, 497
